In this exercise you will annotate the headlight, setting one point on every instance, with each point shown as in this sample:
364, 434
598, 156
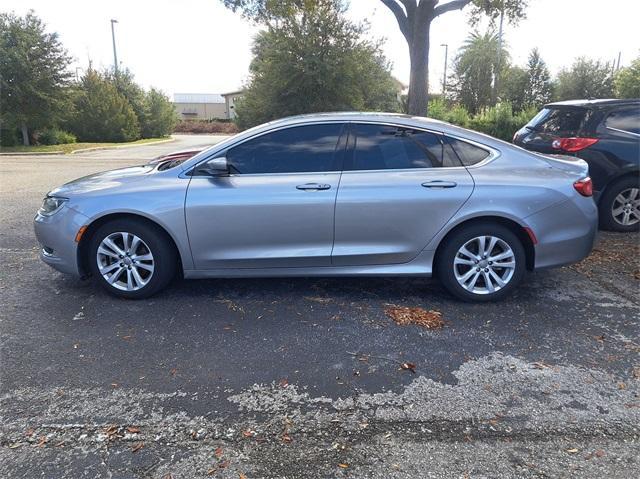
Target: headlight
51, 205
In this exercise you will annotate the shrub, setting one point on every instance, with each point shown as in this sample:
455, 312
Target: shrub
159, 117
53, 136
206, 126
8, 137
102, 113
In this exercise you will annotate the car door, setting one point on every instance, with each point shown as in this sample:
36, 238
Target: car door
399, 187
275, 208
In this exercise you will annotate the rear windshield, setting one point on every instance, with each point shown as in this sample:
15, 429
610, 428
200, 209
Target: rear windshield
559, 120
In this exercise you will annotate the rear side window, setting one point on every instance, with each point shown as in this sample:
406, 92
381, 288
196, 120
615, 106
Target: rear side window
310, 148
625, 120
381, 147
559, 121
469, 154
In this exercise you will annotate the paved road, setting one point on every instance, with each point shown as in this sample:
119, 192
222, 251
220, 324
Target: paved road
301, 377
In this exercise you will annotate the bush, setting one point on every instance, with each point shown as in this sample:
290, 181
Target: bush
53, 136
8, 137
206, 126
102, 113
497, 121
159, 117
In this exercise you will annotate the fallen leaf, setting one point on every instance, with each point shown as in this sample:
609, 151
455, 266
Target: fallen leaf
248, 433
421, 317
173, 371
42, 441
241, 476
622, 386
286, 438
133, 429
218, 452
223, 464
283, 383
409, 366
636, 372
29, 432
599, 338
343, 465
15, 446
137, 446
572, 451
127, 338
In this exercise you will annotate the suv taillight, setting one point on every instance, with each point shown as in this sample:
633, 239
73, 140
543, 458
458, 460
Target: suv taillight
584, 186
573, 144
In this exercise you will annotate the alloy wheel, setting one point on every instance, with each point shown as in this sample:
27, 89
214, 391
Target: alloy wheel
125, 261
484, 265
626, 207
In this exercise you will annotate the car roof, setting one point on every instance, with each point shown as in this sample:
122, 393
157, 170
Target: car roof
595, 103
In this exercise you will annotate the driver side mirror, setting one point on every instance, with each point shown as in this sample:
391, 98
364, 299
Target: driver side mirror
215, 167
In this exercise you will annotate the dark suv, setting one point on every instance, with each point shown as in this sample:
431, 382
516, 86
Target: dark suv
604, 133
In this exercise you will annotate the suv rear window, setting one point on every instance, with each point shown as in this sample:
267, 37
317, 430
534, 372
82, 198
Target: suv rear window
559, 120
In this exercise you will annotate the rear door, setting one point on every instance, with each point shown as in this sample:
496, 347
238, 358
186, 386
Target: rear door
276, 208
399, 187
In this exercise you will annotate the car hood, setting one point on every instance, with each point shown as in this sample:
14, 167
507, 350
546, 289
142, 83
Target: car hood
103, 181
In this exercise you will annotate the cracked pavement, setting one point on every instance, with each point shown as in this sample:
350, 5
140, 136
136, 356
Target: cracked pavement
293, 378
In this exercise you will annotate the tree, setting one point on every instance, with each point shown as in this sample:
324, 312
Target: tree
539, 88
513, 87
33, 73
159, 116
102, 113
312, 58
414, 19
627, 81
585, 79
124, 82
474, 69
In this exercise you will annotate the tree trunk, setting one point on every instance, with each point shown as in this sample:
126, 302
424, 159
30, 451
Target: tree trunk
25, 134
419, 77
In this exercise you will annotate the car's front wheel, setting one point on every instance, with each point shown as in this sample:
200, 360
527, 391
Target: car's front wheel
620, 206
481, 262
131, 259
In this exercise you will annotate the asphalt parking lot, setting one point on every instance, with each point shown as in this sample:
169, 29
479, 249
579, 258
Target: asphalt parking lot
251, 378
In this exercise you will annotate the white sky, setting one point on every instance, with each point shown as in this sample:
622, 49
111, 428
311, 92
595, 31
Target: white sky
198, 46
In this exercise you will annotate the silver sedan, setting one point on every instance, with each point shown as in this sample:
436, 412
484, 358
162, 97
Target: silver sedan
342, 194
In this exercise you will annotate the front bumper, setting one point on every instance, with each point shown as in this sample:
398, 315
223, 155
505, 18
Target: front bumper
56, 235
566, 232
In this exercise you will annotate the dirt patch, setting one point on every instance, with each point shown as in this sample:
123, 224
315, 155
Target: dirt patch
403, 316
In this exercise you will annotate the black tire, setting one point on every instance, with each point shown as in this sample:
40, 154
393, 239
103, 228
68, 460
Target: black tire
154, 239
453, 243
607, 219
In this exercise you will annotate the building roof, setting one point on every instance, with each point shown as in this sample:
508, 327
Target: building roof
233, 93
197, 98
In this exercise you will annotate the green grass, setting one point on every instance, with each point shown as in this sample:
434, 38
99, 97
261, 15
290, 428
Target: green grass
71, 147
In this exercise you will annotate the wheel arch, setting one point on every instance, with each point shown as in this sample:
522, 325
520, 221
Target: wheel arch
622, 175
515, 227
83, 245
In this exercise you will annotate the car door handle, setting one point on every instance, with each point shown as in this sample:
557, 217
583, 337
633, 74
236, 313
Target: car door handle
439, 184
313, 186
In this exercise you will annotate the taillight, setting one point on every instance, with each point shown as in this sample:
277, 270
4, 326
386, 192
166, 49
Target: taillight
584, 186
573, 144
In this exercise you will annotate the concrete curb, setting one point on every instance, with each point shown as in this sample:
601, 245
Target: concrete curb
115, 147
84, 150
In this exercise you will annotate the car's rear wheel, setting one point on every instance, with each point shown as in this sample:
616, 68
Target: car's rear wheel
620, 206
481, 262
131, 259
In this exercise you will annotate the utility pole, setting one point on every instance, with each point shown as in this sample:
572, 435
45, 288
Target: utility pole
618, 64
113, 39
496, 78
444, 76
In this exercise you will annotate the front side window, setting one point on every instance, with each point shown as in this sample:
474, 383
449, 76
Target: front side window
299, 149
625, 120
381, 147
